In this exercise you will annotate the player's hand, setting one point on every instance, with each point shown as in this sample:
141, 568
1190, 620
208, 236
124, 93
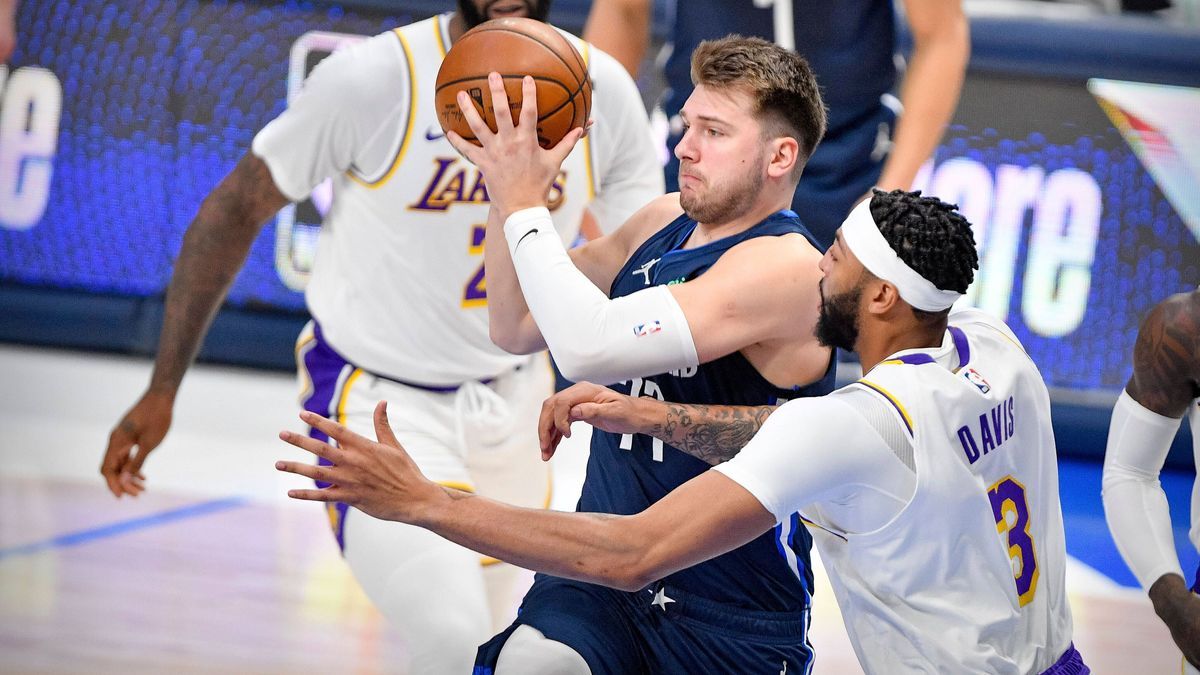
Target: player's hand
143, 427
378, 478
599, 406
1179, 608
519, 172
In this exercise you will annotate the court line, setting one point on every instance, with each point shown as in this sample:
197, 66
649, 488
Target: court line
119, 528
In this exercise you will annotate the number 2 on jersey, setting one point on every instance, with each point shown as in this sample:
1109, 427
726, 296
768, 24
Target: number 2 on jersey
475, 293
1012, 519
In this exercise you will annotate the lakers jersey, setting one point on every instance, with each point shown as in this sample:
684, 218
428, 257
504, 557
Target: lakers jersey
627, 473
398, 285
972, 570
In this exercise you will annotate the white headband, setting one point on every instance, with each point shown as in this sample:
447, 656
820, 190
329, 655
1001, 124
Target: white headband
862, 236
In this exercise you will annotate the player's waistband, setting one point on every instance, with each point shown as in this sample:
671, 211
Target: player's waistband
763, 624
1070, 663
323, 343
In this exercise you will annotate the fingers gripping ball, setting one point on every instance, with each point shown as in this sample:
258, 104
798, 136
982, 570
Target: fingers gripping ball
515, 47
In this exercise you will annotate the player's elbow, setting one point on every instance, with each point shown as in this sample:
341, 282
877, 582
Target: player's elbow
505, 337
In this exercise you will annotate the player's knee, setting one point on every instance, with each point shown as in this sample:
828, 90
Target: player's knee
528, 652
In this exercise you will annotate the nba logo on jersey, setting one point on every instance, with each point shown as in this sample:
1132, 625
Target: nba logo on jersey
976, 379
644, 329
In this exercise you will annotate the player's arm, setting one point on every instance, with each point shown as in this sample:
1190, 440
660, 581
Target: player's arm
780, 470
931, 86
589, 268
214, 249
621, 28
8, 29
1145, 420
314, 138
710, 433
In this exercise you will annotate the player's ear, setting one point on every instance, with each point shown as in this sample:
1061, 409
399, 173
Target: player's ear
881, 296
785, 152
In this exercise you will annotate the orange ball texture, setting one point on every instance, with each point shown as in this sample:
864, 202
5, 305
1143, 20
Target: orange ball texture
515, 47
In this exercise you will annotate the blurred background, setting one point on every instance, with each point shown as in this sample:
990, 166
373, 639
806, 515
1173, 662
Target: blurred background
1075, 150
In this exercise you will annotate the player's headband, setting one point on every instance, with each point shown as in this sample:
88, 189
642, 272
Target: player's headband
862, 236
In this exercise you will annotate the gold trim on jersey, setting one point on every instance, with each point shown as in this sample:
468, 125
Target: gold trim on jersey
587, 143
441, 39
408, 127
908, 423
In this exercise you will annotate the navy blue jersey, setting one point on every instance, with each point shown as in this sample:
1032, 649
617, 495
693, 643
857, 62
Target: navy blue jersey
851, 47
629, 472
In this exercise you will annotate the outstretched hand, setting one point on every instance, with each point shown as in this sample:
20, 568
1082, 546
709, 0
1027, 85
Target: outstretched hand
376, 477
518, 171
599, 406
143, 428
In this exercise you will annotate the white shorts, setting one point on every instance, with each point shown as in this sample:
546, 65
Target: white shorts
477, 437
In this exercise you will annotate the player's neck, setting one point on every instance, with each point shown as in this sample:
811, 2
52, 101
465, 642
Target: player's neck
457, 27
708, 232
877, 342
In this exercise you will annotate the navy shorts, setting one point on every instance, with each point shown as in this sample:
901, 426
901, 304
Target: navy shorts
657, 630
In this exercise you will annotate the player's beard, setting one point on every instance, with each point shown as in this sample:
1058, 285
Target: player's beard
724, 203
837, 324
534, 9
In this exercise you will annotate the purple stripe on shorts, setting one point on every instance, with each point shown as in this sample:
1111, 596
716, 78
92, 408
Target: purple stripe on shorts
324, 368
1070, 663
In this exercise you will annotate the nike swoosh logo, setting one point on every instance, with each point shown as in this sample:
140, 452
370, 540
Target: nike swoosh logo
433, 135
533, 231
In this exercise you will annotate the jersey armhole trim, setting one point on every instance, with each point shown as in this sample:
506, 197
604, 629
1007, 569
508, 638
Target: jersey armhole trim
587, 142
408, 125
890, 398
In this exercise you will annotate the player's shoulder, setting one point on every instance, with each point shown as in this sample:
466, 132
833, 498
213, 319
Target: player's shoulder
378, 59
780, 251
648, 220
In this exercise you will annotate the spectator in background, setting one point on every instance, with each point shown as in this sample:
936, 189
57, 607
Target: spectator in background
851, 45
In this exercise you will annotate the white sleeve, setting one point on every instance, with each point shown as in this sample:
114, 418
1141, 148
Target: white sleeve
591, 336
1134, 502
335, 122
629, 174
812, 451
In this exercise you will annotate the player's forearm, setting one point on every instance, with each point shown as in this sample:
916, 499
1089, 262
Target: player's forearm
509, 323
214, 248
710, 433
621, 28
929, 94
593, 547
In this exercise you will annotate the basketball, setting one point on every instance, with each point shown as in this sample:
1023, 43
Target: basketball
515, 47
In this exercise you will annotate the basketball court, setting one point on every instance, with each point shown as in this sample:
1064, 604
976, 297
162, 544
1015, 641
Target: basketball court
213, 569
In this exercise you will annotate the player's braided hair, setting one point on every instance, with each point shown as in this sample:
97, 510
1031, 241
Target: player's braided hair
929, 235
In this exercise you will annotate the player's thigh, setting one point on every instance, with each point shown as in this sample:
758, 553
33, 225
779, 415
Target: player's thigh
510, 468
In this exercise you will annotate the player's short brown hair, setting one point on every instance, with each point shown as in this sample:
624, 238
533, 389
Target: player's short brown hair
781, 83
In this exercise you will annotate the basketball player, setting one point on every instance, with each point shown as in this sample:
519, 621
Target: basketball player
1165, 386
852, 46
710, 295
932, 482
8, 29
397, 298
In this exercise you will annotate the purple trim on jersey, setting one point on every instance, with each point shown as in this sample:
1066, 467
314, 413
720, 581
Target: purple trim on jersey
961, 344
324, 367
915, 359
1070, 663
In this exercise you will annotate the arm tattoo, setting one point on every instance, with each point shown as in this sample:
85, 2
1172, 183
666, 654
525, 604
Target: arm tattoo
710, 433
214, 248
1166, 357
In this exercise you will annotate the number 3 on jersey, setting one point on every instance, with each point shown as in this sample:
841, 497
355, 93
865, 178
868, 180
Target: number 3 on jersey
1012, 520
475, 294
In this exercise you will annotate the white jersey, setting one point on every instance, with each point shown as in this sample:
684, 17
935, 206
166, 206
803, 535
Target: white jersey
397, 283
967, 571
